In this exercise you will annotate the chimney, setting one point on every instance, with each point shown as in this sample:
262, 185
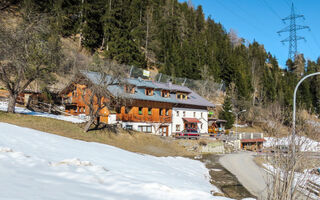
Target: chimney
169, 83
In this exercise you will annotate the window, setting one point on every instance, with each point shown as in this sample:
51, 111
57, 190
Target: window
184, 113
201, 126
182, 96
129, 127
84, 109
177, 113
149, 111
161, 111
149, 91
167, 112
129, 89
178, 127
118, 110
127, 109
140, 110
194, 114
201, 115
165, 93
146, 129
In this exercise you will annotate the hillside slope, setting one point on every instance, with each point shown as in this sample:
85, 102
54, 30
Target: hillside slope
37, 165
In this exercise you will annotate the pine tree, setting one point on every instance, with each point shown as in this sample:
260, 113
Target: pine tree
226, 113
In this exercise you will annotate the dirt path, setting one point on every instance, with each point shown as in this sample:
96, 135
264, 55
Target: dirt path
251, 176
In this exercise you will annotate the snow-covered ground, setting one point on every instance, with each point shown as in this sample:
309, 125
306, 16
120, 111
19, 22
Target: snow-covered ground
35, 165
73, 119
300, 178
240, 125
306, 144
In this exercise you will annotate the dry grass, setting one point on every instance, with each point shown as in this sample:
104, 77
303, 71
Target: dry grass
260, 160
254, 129
134, 142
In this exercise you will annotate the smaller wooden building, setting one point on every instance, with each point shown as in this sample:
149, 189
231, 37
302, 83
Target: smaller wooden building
252, 144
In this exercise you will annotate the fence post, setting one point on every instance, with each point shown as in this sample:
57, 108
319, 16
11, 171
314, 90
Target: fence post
159, 79
184, 82
221, 85
131, 71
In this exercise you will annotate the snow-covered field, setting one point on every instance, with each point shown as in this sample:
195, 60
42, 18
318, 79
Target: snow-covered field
306, 144
73, 119
35, 166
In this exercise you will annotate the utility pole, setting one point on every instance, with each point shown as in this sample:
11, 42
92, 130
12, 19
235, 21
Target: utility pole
292, 29
237, 115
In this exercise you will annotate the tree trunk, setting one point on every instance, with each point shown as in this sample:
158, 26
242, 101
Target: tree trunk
12, 103
87, 127
97, 122
50, 108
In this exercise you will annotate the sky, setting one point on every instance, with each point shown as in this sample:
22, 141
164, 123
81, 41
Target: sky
261, 19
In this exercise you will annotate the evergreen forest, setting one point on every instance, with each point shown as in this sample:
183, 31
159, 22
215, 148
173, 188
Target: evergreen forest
178, 40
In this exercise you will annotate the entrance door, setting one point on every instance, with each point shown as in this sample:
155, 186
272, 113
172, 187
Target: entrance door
164, 131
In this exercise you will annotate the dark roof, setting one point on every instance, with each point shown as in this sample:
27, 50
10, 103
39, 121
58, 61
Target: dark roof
193, 97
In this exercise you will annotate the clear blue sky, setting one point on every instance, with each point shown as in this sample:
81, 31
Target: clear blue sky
261, 19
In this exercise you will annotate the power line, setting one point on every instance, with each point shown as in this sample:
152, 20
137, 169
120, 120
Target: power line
239, 16
315, 39
235, 2
271, 9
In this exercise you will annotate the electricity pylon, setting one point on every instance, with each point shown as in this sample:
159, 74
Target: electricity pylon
293, 28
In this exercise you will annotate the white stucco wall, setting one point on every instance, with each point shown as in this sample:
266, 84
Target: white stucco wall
112, 119
154, 126
189, 113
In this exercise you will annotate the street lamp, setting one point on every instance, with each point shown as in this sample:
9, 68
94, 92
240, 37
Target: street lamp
237, 114
294, 122
294, 104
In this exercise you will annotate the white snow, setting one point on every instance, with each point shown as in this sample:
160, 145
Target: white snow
300, 179
36, 165
73, 119
306, 144
240, 125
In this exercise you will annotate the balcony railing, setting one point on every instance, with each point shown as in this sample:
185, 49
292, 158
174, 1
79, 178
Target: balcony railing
142, 118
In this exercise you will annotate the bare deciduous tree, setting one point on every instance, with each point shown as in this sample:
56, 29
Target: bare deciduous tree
289, 168
28, 52
97, 95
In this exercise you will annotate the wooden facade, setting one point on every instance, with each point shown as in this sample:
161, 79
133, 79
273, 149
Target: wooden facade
75, 95
147, 106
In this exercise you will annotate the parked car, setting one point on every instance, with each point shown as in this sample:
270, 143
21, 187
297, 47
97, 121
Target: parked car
188, 133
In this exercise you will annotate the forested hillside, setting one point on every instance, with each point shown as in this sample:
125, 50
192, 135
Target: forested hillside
178, 40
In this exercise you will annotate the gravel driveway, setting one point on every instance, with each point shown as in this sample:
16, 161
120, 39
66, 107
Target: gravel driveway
251, 176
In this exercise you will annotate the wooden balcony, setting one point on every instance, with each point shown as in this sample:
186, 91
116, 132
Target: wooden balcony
143, 118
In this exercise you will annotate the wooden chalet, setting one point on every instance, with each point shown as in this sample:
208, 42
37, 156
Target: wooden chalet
152, 107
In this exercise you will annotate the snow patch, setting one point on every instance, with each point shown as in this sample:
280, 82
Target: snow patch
300, 179
74, 161
216, 170
306, 144
5, 149
73, 119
